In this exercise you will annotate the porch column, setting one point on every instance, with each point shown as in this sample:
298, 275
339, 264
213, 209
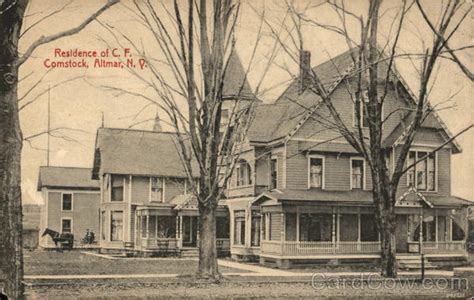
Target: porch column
180, 229
282, 233
177, 228
197, 231
262, 216
333, 231
147, 226
358, 230
156, 227
421, 230
436, 228
297, 224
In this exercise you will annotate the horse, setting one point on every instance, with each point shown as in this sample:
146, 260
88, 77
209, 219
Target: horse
65, 240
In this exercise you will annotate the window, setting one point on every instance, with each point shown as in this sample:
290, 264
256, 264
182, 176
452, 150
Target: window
423, 174
116, 226
166, 227
103, 225
117, 188
239, 227
429, 230
157, 189
66, 225
316, 227
66, 203
255, 228
316, 172
222, 227
357, 173
368, 228
273, 173
362, 109
243, 173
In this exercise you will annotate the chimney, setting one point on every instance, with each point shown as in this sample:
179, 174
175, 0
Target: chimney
305, 70
157, 124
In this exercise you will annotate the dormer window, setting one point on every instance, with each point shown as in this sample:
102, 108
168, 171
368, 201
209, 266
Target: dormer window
316, 172
156, 189
422, 176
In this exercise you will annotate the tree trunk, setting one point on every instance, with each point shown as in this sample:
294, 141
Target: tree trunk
384, 202
208, 268
11, 262
388, 261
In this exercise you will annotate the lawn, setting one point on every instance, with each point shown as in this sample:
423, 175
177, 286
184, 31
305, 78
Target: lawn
77, 263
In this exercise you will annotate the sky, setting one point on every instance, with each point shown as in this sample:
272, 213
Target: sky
78, 98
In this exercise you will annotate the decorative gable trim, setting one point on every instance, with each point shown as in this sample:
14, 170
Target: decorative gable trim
316, 106
434, 113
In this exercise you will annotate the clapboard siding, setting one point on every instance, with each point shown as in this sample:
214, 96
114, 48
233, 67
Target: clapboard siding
140, 189
296, 167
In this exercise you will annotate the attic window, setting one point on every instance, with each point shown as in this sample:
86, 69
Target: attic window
363, 109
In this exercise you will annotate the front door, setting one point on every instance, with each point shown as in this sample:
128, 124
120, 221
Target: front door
190, 229
401, 234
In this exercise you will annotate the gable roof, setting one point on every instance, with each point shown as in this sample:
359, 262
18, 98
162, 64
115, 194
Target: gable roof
277, 120
138, 152
66, 177
290, 111
235, 80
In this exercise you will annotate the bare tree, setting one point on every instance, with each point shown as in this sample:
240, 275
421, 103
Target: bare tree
192, 50
12, 14
368, 81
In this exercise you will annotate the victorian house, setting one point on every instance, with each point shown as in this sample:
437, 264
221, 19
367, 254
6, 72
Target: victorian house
302, 194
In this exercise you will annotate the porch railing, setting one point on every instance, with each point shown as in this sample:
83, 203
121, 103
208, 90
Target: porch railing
159, 243
314, 248
444, 247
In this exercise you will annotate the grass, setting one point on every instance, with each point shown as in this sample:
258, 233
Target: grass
77, 263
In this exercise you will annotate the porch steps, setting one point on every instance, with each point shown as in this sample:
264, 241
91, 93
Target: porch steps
189, 253
413, 262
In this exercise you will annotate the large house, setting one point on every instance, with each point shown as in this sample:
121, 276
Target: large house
301, 193
71, 203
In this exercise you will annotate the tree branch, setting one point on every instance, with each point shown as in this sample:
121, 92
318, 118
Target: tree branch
47, 39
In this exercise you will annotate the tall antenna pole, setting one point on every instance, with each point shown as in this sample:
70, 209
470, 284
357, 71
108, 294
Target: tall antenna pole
49, 122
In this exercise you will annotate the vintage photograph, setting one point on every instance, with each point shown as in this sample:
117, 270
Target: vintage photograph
236, 149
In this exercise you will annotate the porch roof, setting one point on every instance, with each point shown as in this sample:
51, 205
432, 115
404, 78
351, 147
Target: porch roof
350, 196
188, 201
318, 195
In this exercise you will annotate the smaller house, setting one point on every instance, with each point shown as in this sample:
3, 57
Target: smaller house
146, 205
71, 202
